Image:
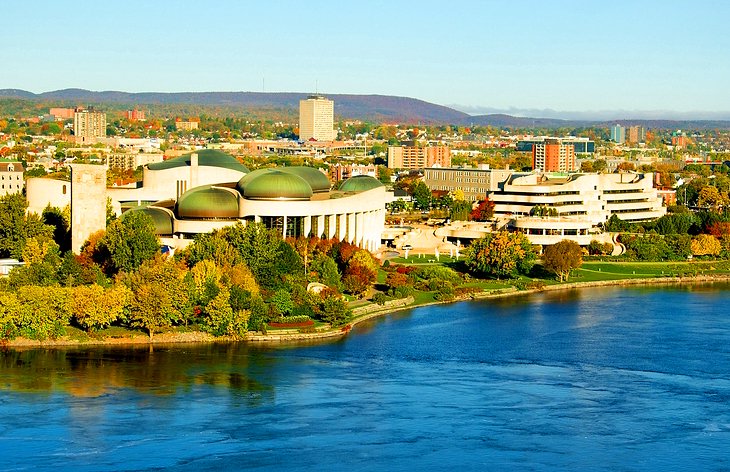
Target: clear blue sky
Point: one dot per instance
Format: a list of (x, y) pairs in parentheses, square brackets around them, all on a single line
[(565, 55)]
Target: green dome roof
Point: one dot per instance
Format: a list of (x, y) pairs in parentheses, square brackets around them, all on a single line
[(316, 179), (161, 218), (360, 183), (206, 157), (276, 185), (208, 201), (249, 178)]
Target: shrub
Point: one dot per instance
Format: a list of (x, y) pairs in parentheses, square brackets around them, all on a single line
[(380, 298)]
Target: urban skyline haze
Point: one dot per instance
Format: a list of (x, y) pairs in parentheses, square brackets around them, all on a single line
[(651, 59)]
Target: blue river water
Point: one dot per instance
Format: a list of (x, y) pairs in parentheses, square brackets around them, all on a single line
[(596, 379)]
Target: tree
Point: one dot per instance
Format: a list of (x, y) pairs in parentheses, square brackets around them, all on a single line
[(259, 248), (130, 241), (711, 197), (586, 166), (325, 271), (460, 210), (214, 247), (282, 302), (421, 195), (16, 226), (705, 245), (501, 254), (563, 257), (599, 165), (160, 298), (94, 308), (484, 210)]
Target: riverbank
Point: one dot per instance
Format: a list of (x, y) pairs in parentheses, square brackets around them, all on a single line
[(361, 314)]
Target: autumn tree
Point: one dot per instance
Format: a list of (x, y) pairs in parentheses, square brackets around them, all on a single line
[(484, 210), (501, 254), (562, 257), (705, 245), (94, 308), (711, 197), (160, 298)]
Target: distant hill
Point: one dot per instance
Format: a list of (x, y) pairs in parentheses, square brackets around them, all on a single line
[(380, 108), (374, 108)]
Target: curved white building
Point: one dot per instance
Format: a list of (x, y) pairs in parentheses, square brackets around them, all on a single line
[(593, 197)]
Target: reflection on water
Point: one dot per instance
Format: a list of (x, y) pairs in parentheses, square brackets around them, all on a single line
[(93, 372), (600, 379)]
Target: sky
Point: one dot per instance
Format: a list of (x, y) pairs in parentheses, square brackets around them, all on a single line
[(642, 58)]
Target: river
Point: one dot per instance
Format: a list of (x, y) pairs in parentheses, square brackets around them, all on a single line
[(596, 379)]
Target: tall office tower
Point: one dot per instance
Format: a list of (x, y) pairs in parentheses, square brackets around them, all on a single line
[(618, 134), (88, 125), (316, 119), (553, 156)]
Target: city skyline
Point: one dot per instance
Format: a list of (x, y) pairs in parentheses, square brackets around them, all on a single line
[(650, 59)]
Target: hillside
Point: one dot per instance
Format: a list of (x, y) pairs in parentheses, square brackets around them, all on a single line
[(373, 108), (379, 108)]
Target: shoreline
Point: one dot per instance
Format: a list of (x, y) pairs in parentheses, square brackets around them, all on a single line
[(199, 337)]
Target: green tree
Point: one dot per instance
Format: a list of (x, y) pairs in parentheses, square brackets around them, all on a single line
[(421, 195), (130, 241), (563, 257), (460, 210), (259, 248), (16, 226), (501, 254), (325, 271)]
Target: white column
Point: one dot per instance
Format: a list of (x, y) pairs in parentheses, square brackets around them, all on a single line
[(343, 227), (320, 225), (333, 226), (351, 228), (307, 226), (359, 227), (283, 229)]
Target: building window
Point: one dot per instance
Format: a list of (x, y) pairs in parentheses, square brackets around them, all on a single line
[(64, 190)]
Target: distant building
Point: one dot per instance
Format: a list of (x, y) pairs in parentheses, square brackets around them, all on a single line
[(132, 160), (679, 140), (414, 157), (89, 125), (316, 119), (618, 134), (345, 171), (11, 177), (552, 155), (186, 125), (135, 115), (580, 145), (636, 134), (62, 113), (476, 183)]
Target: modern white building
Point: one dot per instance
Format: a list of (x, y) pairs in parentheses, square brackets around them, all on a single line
[(316, 119), (208, 190), (591, 197)]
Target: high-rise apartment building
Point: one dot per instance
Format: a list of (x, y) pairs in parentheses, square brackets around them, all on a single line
[(618, 134), (414, 157), (89, 125), (316, 119), (552, 155), (636, 134), (135, 115)]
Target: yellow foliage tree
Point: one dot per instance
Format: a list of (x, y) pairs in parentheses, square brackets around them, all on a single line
[(705, 245), (94, 308)]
